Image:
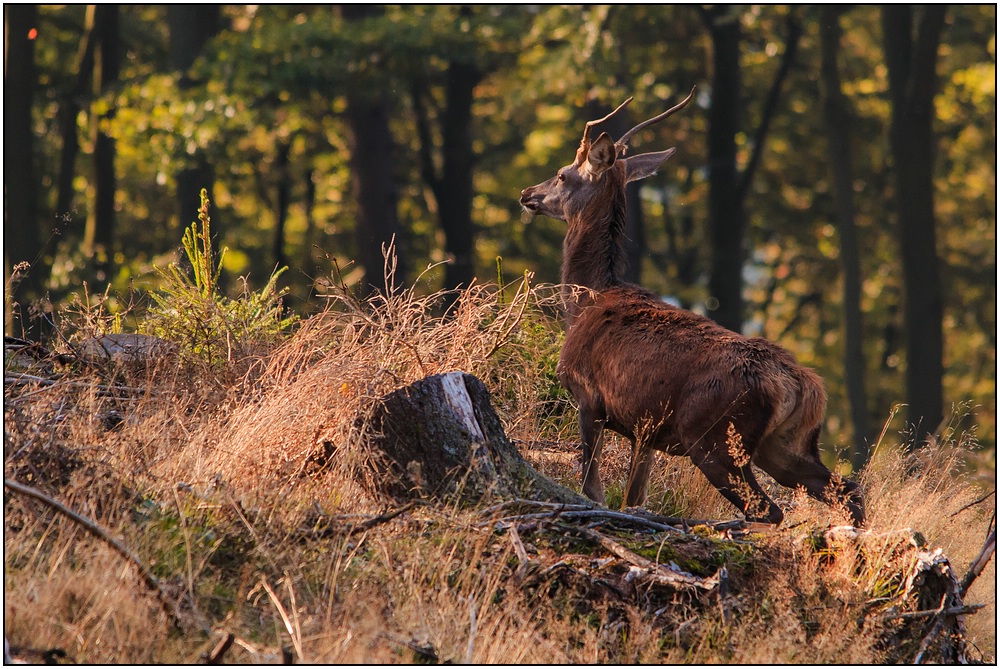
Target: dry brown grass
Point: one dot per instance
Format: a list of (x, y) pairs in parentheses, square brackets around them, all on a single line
[(214, 481)]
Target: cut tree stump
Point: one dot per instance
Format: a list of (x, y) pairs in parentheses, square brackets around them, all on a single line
[(440, 438), (134, 351)]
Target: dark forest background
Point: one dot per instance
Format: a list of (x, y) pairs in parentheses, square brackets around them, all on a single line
[(834, 188)]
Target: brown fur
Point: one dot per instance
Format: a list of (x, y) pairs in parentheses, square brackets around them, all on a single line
[(669, 379)]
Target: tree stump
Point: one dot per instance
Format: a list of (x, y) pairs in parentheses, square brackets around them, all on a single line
[(133, 351), (440, 438)]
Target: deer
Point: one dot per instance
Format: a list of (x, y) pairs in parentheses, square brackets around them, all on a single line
[(666, 378)]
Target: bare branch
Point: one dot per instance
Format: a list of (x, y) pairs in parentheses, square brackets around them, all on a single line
[(596, 513), (645, 566), (787, 59)]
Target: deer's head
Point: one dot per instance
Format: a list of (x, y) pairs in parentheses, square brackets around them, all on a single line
[(599, 169)]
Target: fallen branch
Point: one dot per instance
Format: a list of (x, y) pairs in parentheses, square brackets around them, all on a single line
[(915, 615), (380, 519), (518, 503), (522, 555), (424, 651), (643, 566), (593, 513), (939, 622), (650, 520), (169, 604)]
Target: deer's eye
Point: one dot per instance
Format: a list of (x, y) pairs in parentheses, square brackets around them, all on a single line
[(561, 177)]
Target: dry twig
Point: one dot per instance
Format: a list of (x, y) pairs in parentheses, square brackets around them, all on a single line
[(972, 504)]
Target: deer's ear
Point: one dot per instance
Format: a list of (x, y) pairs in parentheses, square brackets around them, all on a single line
[(645, 164), (602, 154)]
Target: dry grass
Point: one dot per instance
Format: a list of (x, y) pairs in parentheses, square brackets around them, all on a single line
[(215, 480)]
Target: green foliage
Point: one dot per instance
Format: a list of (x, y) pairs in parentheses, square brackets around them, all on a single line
[(209, 326)]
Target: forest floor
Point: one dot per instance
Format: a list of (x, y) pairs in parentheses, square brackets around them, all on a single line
[(228, 521)]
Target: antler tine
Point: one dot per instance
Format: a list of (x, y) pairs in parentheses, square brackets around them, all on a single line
[(622, 143), (581, 153), (591, 124)]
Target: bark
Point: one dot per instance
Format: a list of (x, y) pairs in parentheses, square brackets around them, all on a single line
[(452, 183), (683, 246), (21, 237), (309, 205), (440, 438), (454, 194), (838, 123), (911, 62)]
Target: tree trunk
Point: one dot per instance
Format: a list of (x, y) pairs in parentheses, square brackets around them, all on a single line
[(284, 200), (372, 174), (69, 112), (911, 65), (727, 186), (838, 123), (99, 235), (440, 438), (454, 194), (21, 238), (309, 205), (725, 211), (452, 183), (191, 27)]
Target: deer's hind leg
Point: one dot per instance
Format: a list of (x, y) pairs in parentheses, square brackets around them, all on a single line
[(729, 470), (794, 461)]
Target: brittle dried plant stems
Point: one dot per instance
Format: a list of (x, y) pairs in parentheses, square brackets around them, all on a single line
[(524, 292), (169, 605)]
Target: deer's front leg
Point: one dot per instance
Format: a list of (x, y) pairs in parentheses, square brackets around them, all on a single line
[(592, 433)]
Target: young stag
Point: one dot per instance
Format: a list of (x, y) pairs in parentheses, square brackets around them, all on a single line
[(666, 378)]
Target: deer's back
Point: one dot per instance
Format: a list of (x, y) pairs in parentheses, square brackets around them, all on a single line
[(632, 356)]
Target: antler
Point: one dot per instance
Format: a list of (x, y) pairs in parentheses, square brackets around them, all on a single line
[(581, 153), (622, 144)]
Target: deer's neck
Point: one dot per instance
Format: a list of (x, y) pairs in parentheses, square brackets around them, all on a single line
[(594, 249)]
